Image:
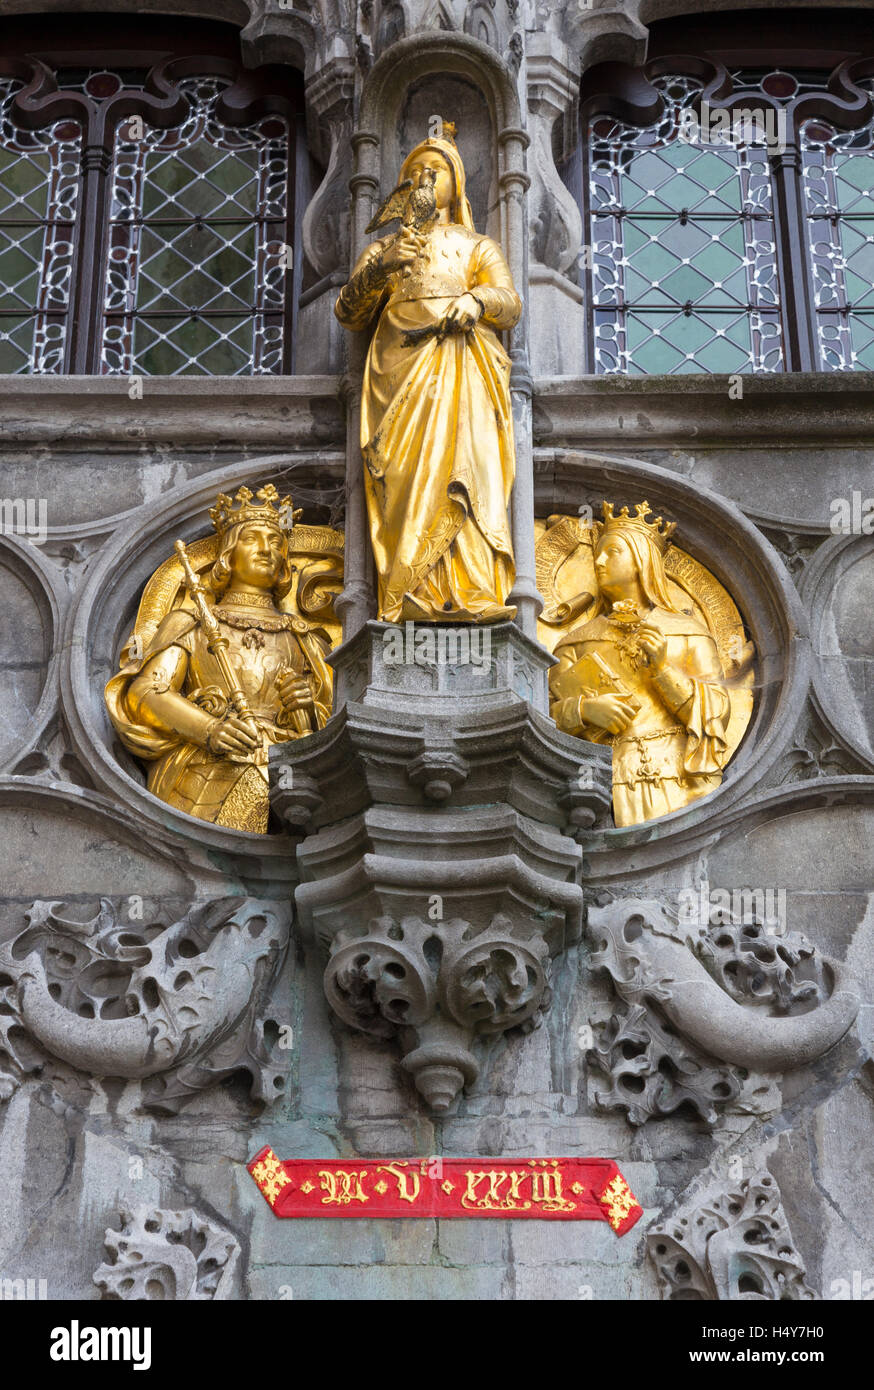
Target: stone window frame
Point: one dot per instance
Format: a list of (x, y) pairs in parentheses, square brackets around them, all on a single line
[(160, 55)]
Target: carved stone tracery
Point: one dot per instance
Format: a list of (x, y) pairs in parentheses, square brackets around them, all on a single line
[(734, 1245)]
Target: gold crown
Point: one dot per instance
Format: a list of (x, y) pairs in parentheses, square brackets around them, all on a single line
[(224, 514), (659, 531)]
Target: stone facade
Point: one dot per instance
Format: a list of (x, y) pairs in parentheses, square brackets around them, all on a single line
[(149, 1155)]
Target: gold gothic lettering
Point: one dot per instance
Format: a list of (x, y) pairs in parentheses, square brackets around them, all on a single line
[(342, 1187)]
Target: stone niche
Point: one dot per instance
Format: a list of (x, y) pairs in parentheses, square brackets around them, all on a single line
[(452, 99)]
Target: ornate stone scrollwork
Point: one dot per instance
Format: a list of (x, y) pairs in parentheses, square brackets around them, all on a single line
[(735, 1245), (176, 1256), (438, 985), (177, 1007), (700, 996)]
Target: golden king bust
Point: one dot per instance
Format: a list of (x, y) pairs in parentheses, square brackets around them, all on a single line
[(660, 669), (436, 423), (225, 672)]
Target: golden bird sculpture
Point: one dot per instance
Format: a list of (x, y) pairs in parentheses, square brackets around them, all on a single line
[(416, 207)]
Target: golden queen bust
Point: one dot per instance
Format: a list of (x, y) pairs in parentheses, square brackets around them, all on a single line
[(660, 669), (436, 423), (225, 672)]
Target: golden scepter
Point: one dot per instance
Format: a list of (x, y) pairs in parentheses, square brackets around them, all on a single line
[(216, 643)]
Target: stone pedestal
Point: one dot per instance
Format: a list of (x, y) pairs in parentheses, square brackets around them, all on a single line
[(439, 870)]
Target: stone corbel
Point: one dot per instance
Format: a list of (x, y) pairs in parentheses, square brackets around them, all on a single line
[(437, 985), (440, 872)]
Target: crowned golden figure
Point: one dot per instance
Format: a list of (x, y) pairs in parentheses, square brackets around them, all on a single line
[(225, 672), (644, 672), (436, 424)]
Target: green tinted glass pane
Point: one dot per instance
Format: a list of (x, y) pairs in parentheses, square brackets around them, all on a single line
[(221, 347), (197, 267), (21, 250), (24, 184), (862, 335), (689, 343), (16, 343), (656, 249), (854, 182), (857, 244), (201, 181)]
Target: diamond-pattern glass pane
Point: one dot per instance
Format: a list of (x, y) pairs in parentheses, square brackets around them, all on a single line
[(838, 180), (39, 191), (196, 280), (684, 271)]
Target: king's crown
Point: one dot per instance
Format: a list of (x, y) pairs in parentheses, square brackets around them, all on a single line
[(269, 510), (658, 530)]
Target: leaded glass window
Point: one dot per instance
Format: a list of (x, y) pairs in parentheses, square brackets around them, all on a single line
[(683, 247), (730, 245), (147, 213), (197, 245), (39, 186)]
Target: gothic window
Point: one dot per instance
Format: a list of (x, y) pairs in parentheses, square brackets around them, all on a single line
[(147, 209), (729, 212)]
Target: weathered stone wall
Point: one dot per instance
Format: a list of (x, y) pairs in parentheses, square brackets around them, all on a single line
[(751, 483)]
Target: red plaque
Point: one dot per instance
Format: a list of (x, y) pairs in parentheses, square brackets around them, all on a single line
[(540, 1189)]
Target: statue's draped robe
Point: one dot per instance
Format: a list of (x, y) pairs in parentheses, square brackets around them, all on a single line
[(436, 429), (214, 788), (675, 747)]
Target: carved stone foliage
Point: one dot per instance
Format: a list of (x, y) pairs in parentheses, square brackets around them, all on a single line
[(703, 1006), (735, 1245), (177, 1007), (437, 985), (175, 1256), (652, 1071)]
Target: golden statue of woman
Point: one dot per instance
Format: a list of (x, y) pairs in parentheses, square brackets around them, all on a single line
[(644, 673), (436, 424), (226, 673)]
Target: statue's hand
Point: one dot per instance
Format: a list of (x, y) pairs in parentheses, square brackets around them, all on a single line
[(462, 314), (295, 693), (400, 252), (231, 735), (653, 644), (611, 712)]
